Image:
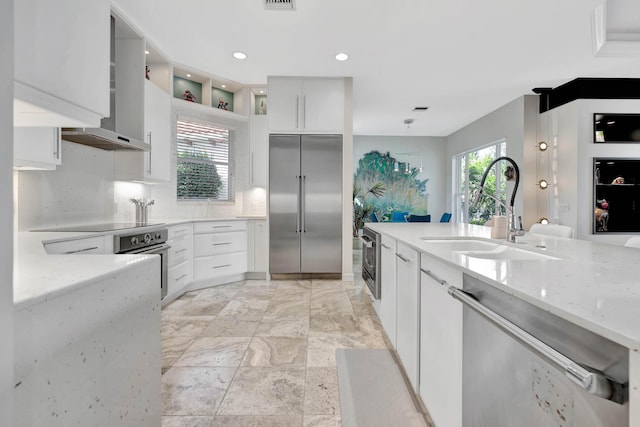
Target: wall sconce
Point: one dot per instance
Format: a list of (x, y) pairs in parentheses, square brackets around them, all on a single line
[(542, 146), (543, 184), (543, 220)]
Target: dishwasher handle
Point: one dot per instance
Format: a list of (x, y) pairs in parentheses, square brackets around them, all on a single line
[(366, 241), (592, 382)]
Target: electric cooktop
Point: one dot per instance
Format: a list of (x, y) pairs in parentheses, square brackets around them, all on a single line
[(97, 228)]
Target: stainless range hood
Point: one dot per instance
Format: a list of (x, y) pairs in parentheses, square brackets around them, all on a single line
[(104, 139), (126, 96)]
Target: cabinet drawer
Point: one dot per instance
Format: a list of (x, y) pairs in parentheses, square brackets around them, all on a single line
[(181, 250), (179, 277), (439, 271), (219, 265), (219, 226), (178, 231), (219, 243), (91, 245)]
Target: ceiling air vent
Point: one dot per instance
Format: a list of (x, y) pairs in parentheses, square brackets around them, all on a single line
[(420, 108), (279, 4)]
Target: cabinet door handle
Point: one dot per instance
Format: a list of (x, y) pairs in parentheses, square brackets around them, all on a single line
[(181, 277), (76, 251), (149, 168), (222, 226), (56, 144), (297, 112), (385, 246), (251, 170), (402, 258), (222, 266), (304, 112), (434, 277), (181, 250), (222, 244)]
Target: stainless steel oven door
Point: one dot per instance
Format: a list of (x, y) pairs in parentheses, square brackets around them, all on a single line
[(163, 251)]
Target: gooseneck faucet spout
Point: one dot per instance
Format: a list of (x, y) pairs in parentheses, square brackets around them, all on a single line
[(512, 173)]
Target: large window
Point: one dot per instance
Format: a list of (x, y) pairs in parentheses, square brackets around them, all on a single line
[(469, 168), (204, 161)]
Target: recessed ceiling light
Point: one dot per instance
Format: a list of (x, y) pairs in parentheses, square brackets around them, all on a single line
[(188, 75), (342, 56), (146, 52), (239, 55), (223, 86), (261, 91)]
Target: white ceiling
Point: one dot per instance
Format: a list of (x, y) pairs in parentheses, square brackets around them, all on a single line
[(461, 58)]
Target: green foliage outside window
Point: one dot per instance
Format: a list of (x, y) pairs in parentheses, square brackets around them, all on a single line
[(486, 206), (198, 177)]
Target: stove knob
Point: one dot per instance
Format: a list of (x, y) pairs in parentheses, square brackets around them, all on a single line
[(135, 241), (158, 236), (147, 238)]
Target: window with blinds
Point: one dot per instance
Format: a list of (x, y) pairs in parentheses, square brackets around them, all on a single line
[(204, 166)]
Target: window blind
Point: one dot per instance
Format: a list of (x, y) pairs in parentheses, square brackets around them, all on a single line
[(203, 166)]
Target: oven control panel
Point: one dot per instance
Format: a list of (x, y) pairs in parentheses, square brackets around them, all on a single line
[(130, 242)]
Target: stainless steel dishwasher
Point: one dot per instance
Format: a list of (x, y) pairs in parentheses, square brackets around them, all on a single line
[(525, 367)]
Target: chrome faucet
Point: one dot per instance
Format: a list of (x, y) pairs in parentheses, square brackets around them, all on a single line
[(511, 173)]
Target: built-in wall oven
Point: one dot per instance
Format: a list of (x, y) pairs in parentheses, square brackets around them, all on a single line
[(371, 261), (152, 242)]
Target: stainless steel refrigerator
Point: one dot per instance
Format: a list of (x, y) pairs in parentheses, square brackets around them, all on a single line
[(305, 204)]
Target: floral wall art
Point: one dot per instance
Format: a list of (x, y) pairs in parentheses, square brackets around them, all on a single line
[(396, 187)]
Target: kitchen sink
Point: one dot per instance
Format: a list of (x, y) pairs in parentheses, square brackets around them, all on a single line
[(483, 249), (461, 244), (509, 254)]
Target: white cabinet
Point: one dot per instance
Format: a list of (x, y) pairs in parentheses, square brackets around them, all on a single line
[(62, 62), (180, 258), (36, 148), (259, 137), (408, 310), (157, 130), (154, 165), (257, 240), (89, 245), (440, 343), (219, 249), (306, 105), (387, 306)]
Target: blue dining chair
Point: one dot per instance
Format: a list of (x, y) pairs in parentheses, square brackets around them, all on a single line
[(419, 218), (446, 217), (399, 216)]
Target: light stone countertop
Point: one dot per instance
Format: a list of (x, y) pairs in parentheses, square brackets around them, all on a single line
[(594, 285), (38, 276)]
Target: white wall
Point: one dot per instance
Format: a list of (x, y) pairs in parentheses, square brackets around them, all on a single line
[(572, 128), (516, 123), (6, 212), (431, 151)]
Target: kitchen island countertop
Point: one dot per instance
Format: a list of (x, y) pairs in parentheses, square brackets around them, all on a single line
[(594, 285)]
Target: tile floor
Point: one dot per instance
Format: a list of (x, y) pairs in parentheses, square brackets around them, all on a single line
[(262, 353)]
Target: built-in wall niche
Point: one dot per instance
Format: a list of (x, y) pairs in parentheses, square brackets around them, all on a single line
[(188, 86), (157, 68), (616, 128), (259, 101), (616, 195), (222, 99)]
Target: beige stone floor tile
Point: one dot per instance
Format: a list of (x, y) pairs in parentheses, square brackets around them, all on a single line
[(333, 324), (214, 351), (293, 284), (288, 307), (265, 391), (276, 351), (334, 306), (257, 421), (185, 326), (254, 294), (207, 307), (194, 391), (186, 421), (244, 308), (283, 326), (172, 349), (321, 392), (232, 326), (322, 349), (322, 421)]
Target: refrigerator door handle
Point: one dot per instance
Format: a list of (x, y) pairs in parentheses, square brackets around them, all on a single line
[(299, 179), (302, 213)]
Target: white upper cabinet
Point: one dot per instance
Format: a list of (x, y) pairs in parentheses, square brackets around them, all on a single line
[(61, 62), (306, 105), (259, 137), (157, 125), (36, 148)]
